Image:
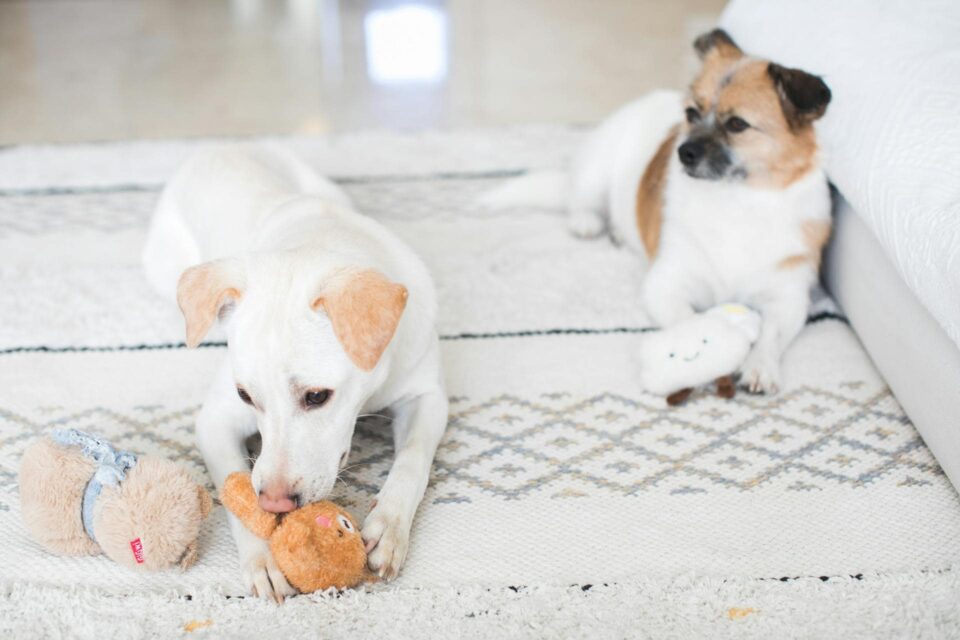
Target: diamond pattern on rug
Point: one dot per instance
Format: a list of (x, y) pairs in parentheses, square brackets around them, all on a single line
[(511, 447), (99, 212), (557, 445), (121, 209)]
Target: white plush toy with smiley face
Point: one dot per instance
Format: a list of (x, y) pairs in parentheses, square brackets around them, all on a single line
[(708, 347)]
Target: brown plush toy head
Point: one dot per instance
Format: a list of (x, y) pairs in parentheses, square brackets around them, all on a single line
[(318, 546)]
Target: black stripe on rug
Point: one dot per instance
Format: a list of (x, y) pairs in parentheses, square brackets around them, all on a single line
[(494, 174), (495, 335)]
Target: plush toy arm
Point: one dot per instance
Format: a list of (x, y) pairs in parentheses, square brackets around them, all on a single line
[(679, 397), (206, 502), (726, 387), (239, 497)]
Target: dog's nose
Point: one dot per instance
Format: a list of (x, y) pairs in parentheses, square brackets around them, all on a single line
[(277, 499), (690, 153)]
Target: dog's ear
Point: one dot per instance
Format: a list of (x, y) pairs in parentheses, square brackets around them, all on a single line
[(803, 96), (203, 290), (717, 43), (364, 308)]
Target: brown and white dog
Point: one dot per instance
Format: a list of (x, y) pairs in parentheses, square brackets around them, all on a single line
[(728, 204)]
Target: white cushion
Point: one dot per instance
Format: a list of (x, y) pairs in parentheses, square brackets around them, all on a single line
[(891, 135)]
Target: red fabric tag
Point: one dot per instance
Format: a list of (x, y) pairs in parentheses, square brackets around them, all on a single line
[(137, 548)]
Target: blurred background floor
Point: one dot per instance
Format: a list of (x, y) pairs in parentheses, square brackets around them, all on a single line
[(81, 70)]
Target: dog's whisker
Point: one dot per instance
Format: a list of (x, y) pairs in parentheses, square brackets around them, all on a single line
[(375, 415), (348, 467)]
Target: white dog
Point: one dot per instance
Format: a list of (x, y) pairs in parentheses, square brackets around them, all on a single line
[(730, 205), (327, 315)]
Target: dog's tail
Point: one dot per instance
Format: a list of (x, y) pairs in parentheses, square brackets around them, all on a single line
[(534, 190)]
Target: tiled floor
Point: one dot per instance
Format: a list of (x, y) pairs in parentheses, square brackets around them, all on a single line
[(76, 70)]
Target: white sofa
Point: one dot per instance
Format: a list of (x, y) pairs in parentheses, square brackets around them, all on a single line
[(891, 143)]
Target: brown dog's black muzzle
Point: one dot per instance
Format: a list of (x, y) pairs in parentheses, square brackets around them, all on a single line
[(704, 157)]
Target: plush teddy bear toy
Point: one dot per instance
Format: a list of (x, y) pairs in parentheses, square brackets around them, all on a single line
[(317, 546), (80, 496), (707, 347)]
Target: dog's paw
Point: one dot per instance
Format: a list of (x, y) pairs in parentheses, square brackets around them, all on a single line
[(585, 224), (387, 537), (761, 374), (261, 575)]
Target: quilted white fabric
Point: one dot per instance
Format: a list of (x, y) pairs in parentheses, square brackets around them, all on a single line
[(891, 138)]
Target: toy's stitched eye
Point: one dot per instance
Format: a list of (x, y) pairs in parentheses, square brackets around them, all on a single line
[(316, 398), (345, 523)]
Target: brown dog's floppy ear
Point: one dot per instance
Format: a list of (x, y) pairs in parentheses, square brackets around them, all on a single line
[(803, 96), (364, 308), (717, 42), (203, 289)]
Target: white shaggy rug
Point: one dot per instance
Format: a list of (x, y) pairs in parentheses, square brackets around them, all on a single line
[(564, 502)]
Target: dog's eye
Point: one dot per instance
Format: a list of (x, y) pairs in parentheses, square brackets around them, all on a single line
[(316, 398), (692, 115), (244, 395), (345, 523), (736, 125)]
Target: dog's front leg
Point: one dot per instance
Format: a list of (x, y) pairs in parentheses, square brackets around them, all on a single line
[(418, 426), (664, 294), (784, 315), (223, 426)]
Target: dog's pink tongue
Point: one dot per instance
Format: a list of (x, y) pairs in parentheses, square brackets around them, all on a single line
[(276, 505)]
